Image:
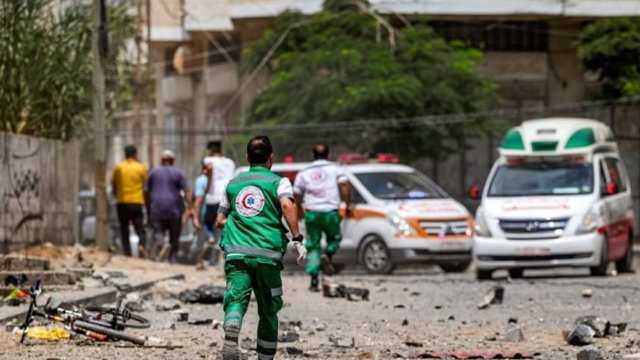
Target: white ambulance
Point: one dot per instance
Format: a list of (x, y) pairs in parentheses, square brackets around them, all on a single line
[(399, 216), (558, 196)]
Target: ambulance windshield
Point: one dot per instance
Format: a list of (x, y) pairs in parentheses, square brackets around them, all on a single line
[(539, 179), (400, 185)]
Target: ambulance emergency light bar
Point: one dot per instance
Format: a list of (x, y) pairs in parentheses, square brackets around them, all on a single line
[(355, 158), (556, 139)]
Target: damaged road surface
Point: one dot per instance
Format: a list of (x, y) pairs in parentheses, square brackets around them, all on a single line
[(414, 314)]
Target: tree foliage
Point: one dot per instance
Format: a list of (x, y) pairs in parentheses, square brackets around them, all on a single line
[(46, 65), (611, 48), (348, 63)]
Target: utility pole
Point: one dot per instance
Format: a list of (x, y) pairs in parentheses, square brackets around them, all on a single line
[(99, 49)]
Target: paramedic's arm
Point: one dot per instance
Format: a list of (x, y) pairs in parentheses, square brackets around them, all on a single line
[(288, 206), (298, 192), (345, 193), (223, 210)]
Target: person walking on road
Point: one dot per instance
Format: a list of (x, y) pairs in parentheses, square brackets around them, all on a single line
[(207, 233), (319, 187), (127, 182), (165, 189), (222, 171), (254, 241)]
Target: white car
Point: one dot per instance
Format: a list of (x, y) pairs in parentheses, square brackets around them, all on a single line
[(558, 196), (399, 216)]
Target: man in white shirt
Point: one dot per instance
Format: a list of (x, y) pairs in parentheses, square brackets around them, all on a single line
[(223, 170), (319, 188)]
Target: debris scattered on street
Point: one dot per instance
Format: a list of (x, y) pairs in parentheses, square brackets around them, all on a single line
[(48, 333), (289, 336), (405, 322), (412, 343), (180, 315), (513, 334), (477, 355), (332, 290), (292, 350), (581, 335), (342, 343), (587, 293), (204, 294), (590, 353), (200, 320), (493, 297), (168, 305)]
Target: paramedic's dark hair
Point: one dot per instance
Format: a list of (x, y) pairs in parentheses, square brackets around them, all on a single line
[(259, 149), (130, 151), (215, 146), (320, 151)]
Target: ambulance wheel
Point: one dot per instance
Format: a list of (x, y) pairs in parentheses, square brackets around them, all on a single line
[(455, 267), (484, 274), (516, 273), (625, 265), (601, 269), (375, 255)]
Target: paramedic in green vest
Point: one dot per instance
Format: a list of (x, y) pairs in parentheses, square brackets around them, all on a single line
[(318, 188), (254, 241)]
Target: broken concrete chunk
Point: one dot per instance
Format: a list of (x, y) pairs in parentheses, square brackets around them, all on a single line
[(598, 324), (590, 353), (513, 334), (289, 336), (405, 322), (200, 320), (587, 293), (168, 305), (180, 315), (581, 335), (616, 329), (292, 350), (493, 297), (342, 343), (204, 294)]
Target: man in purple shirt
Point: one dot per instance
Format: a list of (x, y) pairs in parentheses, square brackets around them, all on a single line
[(165, 191)]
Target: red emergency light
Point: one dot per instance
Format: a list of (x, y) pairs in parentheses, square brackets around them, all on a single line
[(352, 158), (388, 158)]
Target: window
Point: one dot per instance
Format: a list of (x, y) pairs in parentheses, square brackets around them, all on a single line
[(356, 197), (400, 185), (615, 174), (539, 179), (497, 36)]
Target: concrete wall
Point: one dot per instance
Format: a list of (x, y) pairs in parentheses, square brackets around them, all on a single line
[(38, 191)]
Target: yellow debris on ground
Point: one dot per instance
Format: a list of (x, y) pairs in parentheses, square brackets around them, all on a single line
[(47, 333)]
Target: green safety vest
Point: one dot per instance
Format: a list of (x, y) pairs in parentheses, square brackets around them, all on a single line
[(254, 226)]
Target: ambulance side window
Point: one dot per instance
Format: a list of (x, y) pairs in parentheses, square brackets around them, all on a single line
[(604, 179), (356, 197), (615, 174)]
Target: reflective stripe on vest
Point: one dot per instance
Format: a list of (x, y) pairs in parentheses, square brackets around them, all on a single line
[(247, 250)]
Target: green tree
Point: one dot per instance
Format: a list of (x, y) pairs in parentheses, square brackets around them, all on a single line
[(610, 48), (347, 63), (46, 66)]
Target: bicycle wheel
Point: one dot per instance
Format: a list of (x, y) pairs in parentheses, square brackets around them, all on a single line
[(103, 316), (114, 334)]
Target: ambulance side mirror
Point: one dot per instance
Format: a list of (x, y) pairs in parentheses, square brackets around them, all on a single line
[(612, 188), (474, 192)]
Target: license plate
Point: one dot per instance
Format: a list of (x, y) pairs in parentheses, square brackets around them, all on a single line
[(534, 251), (452, 245)]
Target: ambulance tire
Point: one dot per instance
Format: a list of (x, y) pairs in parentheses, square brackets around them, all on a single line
[(625, 265), (455, 267), (601, 269), (375, 256), (516, 273), (484, 274)]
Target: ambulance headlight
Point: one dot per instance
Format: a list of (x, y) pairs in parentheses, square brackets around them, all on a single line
[(481, 227), (590, 222), (402, 226)]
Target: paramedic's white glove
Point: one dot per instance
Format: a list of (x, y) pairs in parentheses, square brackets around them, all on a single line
[(297, 244)]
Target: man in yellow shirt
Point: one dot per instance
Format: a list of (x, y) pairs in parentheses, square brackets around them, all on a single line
[(128, 181)]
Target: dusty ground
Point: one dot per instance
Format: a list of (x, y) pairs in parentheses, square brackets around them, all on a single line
[(440, 311)]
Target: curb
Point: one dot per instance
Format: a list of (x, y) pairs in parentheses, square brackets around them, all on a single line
[(81, 297)]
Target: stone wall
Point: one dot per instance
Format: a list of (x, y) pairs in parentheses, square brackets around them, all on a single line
[(38, 191)]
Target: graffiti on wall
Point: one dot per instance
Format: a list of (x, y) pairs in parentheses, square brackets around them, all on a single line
[(20, 190)]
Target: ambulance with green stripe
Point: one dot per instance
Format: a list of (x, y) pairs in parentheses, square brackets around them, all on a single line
[(558, 196)]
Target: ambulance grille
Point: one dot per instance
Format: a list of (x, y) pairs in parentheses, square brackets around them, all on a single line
[(533, 229), (444, 227)]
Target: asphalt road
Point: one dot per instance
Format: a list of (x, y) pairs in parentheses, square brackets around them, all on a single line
[(409, 313)]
